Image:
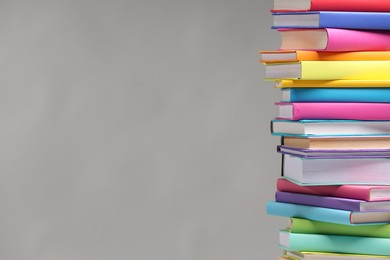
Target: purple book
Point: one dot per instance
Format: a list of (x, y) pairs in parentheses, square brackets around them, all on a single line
[(332, 202), (339, 153)]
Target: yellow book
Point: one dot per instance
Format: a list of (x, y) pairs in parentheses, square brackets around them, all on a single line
[(289, 83), (291, 255), (303, 55), (329, 70)]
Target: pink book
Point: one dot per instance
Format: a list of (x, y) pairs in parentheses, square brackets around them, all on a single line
[(360, 192), (332, 39), (333, 111), (347, 39)]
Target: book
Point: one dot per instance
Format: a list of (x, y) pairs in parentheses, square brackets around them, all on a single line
[(331, 202), (331, 171), (332, 19), (376, 95), (307, 226), (267, 56), (359, 192), (334, 143), (336, 153), (332, 5), (329, 70), (340, 83), (329, 128), (334, 39), (333, 110), (334, 243), (337, 216), (295, 255)]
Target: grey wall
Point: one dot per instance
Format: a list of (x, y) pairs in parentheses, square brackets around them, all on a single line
[(136, 130)]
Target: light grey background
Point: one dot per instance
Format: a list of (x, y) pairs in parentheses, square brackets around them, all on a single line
[(136, 130)]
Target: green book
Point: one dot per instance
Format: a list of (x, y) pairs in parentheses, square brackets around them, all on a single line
[(301, 225), (334, 243)]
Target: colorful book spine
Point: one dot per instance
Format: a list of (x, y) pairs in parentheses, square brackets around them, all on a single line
[(329, 19), (331, 202), (304, 55), (307, 226), (340, 83), (333, 111), (333, 243), (333, 5), (338, 39), (337, 216), (336, 95), (359, 192)]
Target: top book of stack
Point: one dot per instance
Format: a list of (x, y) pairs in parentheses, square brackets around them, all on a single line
[(332, 5)]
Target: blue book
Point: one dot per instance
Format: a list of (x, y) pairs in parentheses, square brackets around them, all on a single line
[(370, 95), (334, 243), (327, 19), (337, 216)]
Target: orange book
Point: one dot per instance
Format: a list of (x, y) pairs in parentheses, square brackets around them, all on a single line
[(341, 83), (278, 56)]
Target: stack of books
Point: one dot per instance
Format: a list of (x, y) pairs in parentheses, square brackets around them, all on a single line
[(333, 72)]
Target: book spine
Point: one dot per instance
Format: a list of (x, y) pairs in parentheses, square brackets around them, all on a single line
[(299, 225), (318, 201), (356, 40), (355, 20), (350, 5), (285, 83), (334, 243), (309, 212), (375, 95), (343, 111), (345, 191), (347, 70)]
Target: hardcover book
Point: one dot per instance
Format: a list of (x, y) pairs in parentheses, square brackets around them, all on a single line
[(336, 153), (333, 243), (332, 5), (331, 171), (359, 192), (336, 143), (331, 202), (295, 255), (328, 19), (307, 226), (337, 216), (330, 128), (333, 110), (332, 39), (329, 70), (339, 83), (336, 95), (302, 55)]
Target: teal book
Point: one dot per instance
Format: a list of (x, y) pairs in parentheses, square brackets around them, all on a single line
[(336, 216), (334, 243), (359, 95)]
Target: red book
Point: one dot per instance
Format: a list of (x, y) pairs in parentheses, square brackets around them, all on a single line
[(333, 111), (332, 5), (360, 192)]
